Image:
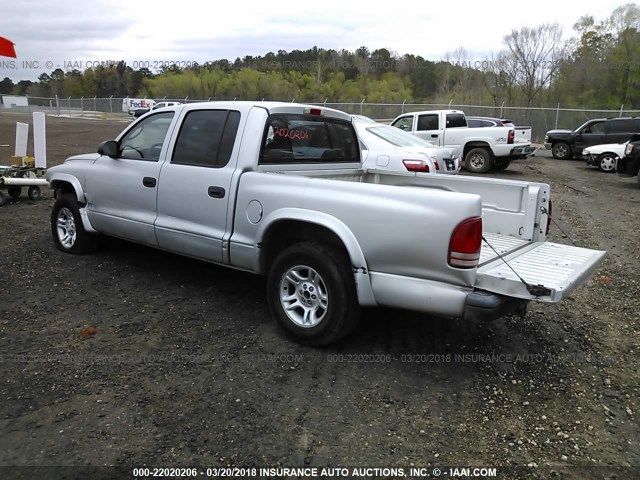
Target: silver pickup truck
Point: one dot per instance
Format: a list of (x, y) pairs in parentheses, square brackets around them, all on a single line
[(277, 189)]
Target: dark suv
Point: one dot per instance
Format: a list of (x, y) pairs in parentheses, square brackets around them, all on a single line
[(567, 144)]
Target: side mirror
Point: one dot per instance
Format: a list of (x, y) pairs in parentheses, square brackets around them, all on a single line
[(108, 148)]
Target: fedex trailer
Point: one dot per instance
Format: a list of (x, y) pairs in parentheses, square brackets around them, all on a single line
[(130, 105)]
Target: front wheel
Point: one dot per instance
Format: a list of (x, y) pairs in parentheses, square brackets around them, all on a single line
[(478, 160), (607, 163), (561, 151), (67, 230), (312, 294)]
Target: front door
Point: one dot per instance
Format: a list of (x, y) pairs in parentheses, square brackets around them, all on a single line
[(193, 192), (592, 134), (121, 192)]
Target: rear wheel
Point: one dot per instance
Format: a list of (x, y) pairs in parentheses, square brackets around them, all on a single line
[(34, 192), (478, 160), (3, 199), (312, 294), (67, 230), (607, 162), (561, 150)]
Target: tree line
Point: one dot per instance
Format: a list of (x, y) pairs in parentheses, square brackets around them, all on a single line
[(599, 67)]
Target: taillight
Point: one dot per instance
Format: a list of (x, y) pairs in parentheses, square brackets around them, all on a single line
[(465, 243), (435, 164), (416, 165), (549, 217), (511, 137)]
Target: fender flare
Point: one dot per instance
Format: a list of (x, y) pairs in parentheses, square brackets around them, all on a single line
[(70, 179), (346, 236)]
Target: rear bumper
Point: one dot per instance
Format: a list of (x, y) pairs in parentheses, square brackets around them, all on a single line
[(482, 306), (441, 299), (523, 151)]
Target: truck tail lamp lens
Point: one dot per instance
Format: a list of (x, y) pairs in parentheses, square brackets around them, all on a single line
[(512, 136), (313, 111), (464, 247), (416, 166)]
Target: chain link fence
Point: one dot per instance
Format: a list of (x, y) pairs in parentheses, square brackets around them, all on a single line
[(540, 119)]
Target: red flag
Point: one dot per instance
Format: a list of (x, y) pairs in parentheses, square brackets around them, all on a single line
[(6, 48)]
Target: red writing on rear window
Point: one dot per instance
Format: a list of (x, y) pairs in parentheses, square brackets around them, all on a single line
[(297, 134)]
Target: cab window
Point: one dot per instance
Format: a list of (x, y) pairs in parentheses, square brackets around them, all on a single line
[(428, 122), (206, 138), (145, 140), (404, 123), (456, 120), (595, 127)]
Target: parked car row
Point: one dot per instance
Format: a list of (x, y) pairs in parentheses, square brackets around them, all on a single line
[(606, 143)]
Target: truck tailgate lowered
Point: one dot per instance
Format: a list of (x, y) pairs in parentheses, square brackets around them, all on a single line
[(556, 267)]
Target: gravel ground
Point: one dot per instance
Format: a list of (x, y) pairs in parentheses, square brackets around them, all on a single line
[(134, 357)]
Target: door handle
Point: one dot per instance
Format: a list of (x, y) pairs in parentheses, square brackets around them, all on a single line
[(149, 182), (434, 135), (216, 192)]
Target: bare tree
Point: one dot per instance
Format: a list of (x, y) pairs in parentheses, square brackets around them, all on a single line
[(536, 54), (498, 77)]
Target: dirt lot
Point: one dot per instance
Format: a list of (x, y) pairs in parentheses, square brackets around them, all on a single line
[(185, 368)]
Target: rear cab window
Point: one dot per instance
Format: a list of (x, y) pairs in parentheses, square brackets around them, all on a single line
[(299, 139)]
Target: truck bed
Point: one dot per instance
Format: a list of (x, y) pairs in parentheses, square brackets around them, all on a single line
[(514, 224)]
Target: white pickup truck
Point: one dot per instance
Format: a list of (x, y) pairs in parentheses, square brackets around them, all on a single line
[(482, 149), (278, 189)]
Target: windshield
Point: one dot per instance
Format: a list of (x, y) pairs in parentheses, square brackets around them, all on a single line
[(397, 137)]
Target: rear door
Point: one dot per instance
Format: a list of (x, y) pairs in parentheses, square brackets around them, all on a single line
[(554, 269), (193, 191), (428, 127)]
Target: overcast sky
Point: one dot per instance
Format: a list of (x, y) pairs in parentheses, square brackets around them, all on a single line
[(80, 31)]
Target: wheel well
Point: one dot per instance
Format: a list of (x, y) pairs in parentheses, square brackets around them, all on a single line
[(288, 232), (63, 187), (471, 145), (608, 153)]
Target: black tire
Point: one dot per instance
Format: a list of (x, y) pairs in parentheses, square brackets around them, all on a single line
[(478, 160), (67, 230), (502, 165), (34, 192), (3, 199), (607, 162), (14, 192), (561, 151), (340, 312)]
